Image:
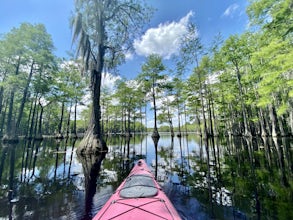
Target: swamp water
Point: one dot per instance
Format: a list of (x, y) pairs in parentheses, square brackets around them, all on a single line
[(231, 178)]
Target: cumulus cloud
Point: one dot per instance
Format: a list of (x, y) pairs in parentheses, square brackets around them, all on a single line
[(230, 11), (129, 56), (108, 83), (109, 80), (163, 40)]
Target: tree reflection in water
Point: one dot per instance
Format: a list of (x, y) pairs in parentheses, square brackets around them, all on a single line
[(229, 178), (91, 165)]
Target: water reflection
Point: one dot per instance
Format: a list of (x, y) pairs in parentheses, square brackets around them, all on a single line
[(156, 141), (231, 178), (91, 168)]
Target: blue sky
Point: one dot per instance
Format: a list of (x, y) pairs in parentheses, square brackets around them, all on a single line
[(211, 17), (167, 25)]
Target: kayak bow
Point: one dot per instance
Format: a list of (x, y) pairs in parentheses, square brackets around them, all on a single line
[(138, 197)]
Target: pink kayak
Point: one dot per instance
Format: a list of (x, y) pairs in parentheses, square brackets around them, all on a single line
[(138, 197)]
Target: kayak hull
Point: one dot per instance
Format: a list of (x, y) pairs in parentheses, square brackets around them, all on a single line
[(138, 197)]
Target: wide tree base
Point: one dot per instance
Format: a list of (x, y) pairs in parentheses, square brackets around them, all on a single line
[(91, 145), (155, 134)]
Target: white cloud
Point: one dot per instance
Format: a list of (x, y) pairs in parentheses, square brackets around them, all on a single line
[(129, 56), (109, 80), (230, 11), (163, 40)]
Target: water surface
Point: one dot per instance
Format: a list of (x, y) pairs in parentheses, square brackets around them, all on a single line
[(231, 178)]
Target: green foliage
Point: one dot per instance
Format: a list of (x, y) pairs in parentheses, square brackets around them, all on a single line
[(244, 76), (152, 80), (274, 71), (106, 29), (273, 16)]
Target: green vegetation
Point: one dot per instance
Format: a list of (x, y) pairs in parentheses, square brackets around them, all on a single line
[(242, 85)]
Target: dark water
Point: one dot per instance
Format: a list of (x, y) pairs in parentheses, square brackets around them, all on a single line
[(220, 179)]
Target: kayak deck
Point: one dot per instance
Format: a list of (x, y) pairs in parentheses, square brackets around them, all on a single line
[(138, 197)]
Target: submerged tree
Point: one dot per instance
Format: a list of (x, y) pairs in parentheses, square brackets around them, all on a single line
[(104, 31)]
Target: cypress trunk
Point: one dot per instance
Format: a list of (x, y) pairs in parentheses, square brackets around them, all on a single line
[(68, 122), (274, 122), (39, 135), (262, 124), (30, 133), (244, 115), (60, 135), (92, 143), (24, 97), (1, 98), (202, 106), (155, 132), (179, 121), (10, 127), (74, 123), (10, 135), (170, 123), (3, 117)]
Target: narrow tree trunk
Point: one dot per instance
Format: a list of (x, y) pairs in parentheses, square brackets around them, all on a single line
[(3, 117), (36, 124), (29, 119), (155, 132), (216, 129), (146, 120), (210, 119), (266, 115), (1, 98), (128, 124), (68, 122), (39, 135), (291, 121), (274, 121), (290, 116), (262, 124), (122, 121), (10, 127), (60, 135), (10, 135), (281, 126), (198, 123), (185, 119), (74, 123), (201, 99), (179, 121), (30, 134), (231, 120), (24, 97), (202, 106), (170, 123), (246, 126), (141, 128)]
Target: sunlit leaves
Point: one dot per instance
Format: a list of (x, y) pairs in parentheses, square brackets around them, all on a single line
[(274, 62), (275, 17)]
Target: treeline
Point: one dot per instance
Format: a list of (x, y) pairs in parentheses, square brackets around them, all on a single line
[(240, 86), (245, 85), (39, 93)]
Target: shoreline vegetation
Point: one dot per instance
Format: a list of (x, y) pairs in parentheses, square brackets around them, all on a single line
[(240, 86)]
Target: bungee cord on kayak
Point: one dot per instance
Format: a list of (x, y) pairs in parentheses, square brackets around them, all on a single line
[(138, 197)]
